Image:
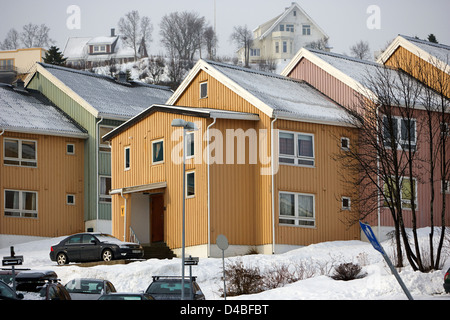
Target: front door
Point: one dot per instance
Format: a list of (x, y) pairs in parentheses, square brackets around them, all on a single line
[(157, 217)]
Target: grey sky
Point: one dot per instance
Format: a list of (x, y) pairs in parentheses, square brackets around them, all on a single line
[(345, 21)]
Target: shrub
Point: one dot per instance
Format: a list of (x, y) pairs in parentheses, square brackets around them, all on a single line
[(348, 271)]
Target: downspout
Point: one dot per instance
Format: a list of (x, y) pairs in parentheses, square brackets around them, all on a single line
[(273, 186), (209, 190), (124, 216), (97, 145)]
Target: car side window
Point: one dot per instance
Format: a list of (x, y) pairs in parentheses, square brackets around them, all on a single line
[(88, 238), (74, 240)]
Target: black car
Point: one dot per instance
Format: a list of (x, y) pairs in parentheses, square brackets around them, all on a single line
[(7, 293), (447, 281), (33, 280), (126, 296), (83, 247), (169, 288), (54, 290), (89, 289)]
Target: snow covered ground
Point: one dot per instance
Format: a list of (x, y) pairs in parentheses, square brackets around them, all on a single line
[(379, 284)]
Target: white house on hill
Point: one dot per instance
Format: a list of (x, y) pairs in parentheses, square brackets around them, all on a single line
[(280, 38)]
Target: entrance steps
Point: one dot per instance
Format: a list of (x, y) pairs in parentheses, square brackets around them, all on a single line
[(157, 250)]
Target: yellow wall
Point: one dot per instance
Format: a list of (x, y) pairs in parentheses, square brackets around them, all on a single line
[(24, 59), (56, 175)]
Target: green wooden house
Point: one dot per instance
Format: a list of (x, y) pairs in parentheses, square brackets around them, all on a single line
[(99, 104)]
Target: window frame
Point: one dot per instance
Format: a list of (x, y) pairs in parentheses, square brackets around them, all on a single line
[(343, 147), (72, 145), (406, 203), (73, 203), (189, 196), (104, 197), (127, 163), (23, 213), (154, 142), (20, 160), (348, 206), (296, 217), (306, 29), (402, 144), (201, 86), (296, 157), (192, 140)]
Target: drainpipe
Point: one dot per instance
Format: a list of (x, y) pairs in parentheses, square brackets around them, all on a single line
[(209, 196), (124, 217), (97, 145), (3, 131), (273, 186)]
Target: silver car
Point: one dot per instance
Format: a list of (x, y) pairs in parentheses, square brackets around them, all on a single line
[(89, 289)]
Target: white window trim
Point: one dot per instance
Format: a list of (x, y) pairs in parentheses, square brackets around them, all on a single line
[(67, 199), (21, 211), (125, 158), (205, 83), (186, 191), (105, 195), (153, 143), (445, 190), (100, 142), (186, 146), (296, 157), (349, 207), (348, 143), (406, 201), (19, 151), (67, 149), (296, 217), (401, 144)]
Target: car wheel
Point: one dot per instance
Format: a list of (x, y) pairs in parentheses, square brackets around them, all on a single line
[(107, 255), (61, 259)]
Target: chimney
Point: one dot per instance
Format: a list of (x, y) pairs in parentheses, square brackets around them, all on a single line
[(113, 32)]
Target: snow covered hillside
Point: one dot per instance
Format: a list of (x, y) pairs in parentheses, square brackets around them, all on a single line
[(379, 284)]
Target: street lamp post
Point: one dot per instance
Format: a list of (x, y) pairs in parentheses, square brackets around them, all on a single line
[(187, 126)]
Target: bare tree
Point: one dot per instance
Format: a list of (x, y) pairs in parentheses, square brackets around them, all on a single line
[(242, 36), (181, 34), (12, 40), (34, 36), (321, 44), (136, 30), (210, 41), (361, 50), (156, 68)]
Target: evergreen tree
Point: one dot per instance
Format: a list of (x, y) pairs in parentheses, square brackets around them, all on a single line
[(432, 38), (54, 56)]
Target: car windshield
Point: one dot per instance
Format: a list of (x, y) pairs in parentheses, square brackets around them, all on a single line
[(107, 238), (5, 291), (85, 286), (169, 287)]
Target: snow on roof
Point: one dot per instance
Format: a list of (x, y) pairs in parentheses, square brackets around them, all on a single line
[(30, 113), (110, 98), (437, 50), (286, 96), (102, 40), (76, 48)]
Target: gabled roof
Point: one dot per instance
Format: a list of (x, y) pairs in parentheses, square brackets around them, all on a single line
[(103, 96), (274, 95), (280, 18), (187, 111), (30, 112), (355, 73), (425, 50)]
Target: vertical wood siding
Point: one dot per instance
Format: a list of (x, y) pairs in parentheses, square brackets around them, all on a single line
[(57, 174)]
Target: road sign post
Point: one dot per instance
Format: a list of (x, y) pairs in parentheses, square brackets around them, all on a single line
[(377, 246), (190, 261), (12, 261)]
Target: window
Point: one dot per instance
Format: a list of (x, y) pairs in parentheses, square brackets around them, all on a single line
[(281, 27), (105, 188), (20, 152), (203, 90), (406, 192), (296, 209), (255, 52), (157, 151), (306, 30), (290, 28), (346, 202), (284, 46), (445, 188), (190, 145), (402, 130), (296, 148), (70, 199), (99, 49), (7, 65), (345, 143), (70, 148), (127, 158), (21, 204), (277, 47), (190, 184)]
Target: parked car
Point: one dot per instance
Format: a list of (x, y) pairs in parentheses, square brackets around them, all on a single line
[(94, 247), (6, 275), (89, 289), (126, 296), (54, 290), (169, 288), (7, 293), (32, 280), (447, 281)]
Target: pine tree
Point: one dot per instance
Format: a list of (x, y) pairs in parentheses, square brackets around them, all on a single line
[(54, 56), (432, 38)]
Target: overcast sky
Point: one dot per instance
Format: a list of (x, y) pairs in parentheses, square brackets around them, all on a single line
[(345, 21)]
